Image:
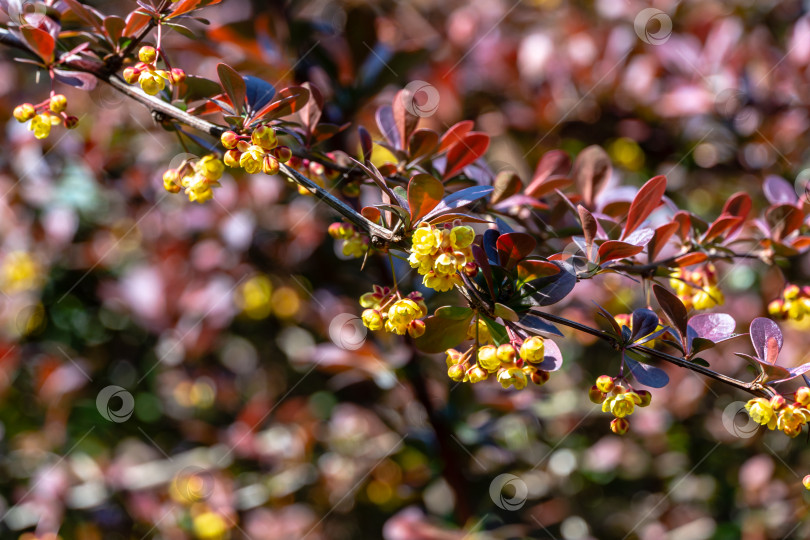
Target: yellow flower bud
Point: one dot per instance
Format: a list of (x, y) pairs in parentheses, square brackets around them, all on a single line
[(605, 383), (147, 54), (533, 349), (803, 396), (596, 395), (24, 112), (461, 237), (477, 374), (456, 372), (620, 426), (507, 353), (416, 329), (488, 358), (512, 377), (645, 396), (58, 103), (760, 410), (372, 319)]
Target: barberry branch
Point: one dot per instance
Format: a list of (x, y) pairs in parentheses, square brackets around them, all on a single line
[(163, 111)]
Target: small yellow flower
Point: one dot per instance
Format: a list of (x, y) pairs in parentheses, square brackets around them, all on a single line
[(24, 112), (210, 167), (41, 125), (533, 349), (251, 159), (760, 411), (461, 237), (512, 377), (401, 314), (264, 136), (422, 263), (147, 54), (58, 103), (621, 405), (151, 81), (445, 264), (372, 319), (426, 240), (441, 283), (477, 374), (488, 358), (605, 383)]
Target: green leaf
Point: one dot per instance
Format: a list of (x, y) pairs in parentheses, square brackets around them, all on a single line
[(453, 312), (505, 313), (497, 331)]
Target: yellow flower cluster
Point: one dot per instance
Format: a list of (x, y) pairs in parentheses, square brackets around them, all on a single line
[(386, 309), (697, 289), (794, 304), (151, 79), (354, 244), (439, 254), (777, 413), (47, 114), (196, 178), (258, 152), (511, 365), (617, 400)]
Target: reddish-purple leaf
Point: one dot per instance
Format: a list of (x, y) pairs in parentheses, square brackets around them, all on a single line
[(640, 237), (458, 199), (690, 258), (311, 112), (720, 226), (424, 142), (589, 228), (766, 338), (388, 126), (424, 193), (646, 200), (534, 268), (783, 220), (660, 238), (592, 169), (290, 100), (404, 119), (234, 86), (713, 326), (446, 218), (366, 144), (738, 205), (513, 247), (371, 213), (455, 134), (40, 41), (553, 163), (506, 184), (77, 79), (534, 324), (646, 374), (644, 323), (114, 27), (471, 147), (779, 191), (483, 263), (673, 308), (554, 183), (135, 22), (684, 221), (611, 250)]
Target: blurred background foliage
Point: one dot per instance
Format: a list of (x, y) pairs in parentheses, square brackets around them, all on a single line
[(250, 420)]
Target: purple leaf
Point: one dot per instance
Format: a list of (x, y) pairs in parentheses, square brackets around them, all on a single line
[(459, 199), (646, 374), (762, 330), (548, 290), (82, 81), (778, 190), (644, 323), (640, 237), (713, 326), (490, 244), (674, 310), (553, 359), (388, 126), (532, 323)]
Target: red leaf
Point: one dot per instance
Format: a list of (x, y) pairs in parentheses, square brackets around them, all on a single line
[(512, 247), (423, 142), (471, 147), (533, 269), (136, 21), (311, 112), (553, 163), (506, 184), (684, 221), (424, 193), (660, 239), (589, 227), (233, 84), (690, 258), (371, 213), (40, 41), (455, 134), (405, 120), (290, 100), (646, 200), (783, 220), (720, 226), (611, 250), (592, 169)]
